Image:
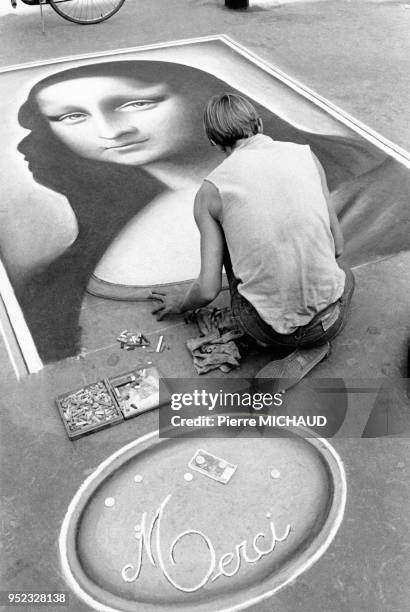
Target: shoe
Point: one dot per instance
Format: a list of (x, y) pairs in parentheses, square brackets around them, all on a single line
[(289, 371)]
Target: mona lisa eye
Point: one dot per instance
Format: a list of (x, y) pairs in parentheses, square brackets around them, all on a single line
[(70, 118), (137, 104)]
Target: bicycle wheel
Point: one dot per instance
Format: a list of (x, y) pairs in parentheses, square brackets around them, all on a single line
[(86, 12)]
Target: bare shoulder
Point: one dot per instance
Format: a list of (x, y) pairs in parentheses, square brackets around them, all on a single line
[(208, 191), (208, 199)]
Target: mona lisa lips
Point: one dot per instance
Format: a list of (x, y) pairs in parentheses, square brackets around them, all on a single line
[(127, 145)]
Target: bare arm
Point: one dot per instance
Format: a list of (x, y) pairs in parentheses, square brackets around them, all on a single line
[(334, 221), (209, 282)]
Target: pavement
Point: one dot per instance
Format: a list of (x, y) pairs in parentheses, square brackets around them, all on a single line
[(356, 54)]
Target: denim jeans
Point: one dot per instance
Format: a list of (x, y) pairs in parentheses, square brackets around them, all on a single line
[(321, 329)]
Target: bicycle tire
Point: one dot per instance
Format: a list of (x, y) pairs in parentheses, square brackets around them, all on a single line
[(86, 12)]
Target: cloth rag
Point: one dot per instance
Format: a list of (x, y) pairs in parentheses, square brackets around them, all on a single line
[(216, 347)]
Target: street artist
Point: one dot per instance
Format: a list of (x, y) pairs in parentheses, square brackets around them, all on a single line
[(265, 215)]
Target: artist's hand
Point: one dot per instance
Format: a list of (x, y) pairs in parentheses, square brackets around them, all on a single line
[(167, 304)]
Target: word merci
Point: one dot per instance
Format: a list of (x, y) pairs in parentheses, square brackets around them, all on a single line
[(227, 565), (223, 399)]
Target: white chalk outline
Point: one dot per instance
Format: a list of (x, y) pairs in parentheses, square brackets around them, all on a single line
[(19, 341), (316, 555)]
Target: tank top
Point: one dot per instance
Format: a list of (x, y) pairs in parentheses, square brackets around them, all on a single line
[(277, 230)]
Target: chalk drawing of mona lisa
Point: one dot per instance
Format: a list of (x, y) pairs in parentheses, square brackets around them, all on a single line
[(123, 141)]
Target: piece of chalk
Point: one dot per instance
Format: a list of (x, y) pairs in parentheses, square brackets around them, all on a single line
[(188, 477), (159, 345), (199, 459), (109, 502), (275, 474), (137, 478)]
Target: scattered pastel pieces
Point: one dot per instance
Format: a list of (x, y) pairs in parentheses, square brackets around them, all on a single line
[(188, 477), (275, 474), (138, 478), (130, 340), (109, 502)]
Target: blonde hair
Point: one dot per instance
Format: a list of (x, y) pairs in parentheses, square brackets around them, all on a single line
[(229, 117)]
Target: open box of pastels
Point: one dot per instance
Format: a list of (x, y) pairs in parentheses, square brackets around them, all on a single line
[(109, 401)]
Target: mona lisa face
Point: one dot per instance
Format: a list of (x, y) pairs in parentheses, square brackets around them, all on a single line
[(121, 120)]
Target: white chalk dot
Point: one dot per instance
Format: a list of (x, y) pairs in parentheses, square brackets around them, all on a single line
[(268, 515), (138, 478), (109, 502), (188, 477), (199, 459), (275, 474)]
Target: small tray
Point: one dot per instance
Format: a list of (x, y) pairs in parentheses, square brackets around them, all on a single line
[(136, 391), (88, 409), (109, 401)]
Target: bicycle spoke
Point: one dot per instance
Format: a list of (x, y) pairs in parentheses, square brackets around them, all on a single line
[(86, 11)]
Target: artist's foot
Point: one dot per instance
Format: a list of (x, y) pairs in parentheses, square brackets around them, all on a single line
[(289, 371)]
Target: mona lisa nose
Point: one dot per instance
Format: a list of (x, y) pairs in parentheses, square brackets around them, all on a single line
[(110, 128)]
